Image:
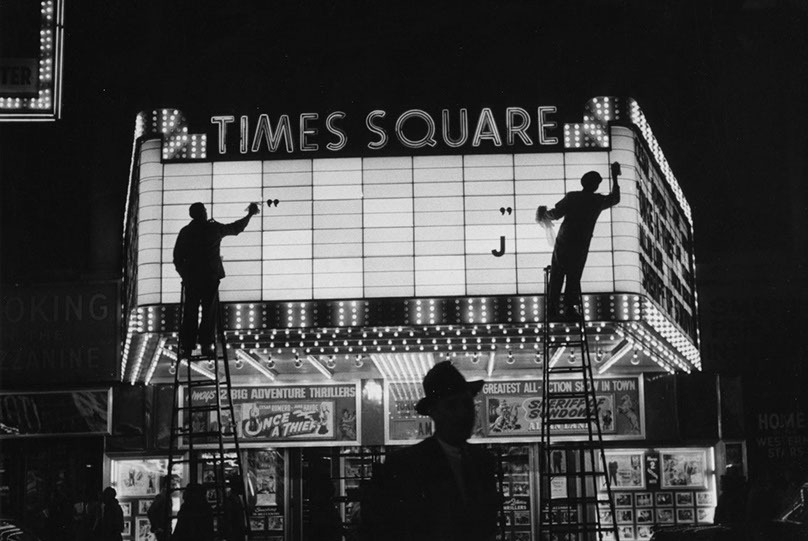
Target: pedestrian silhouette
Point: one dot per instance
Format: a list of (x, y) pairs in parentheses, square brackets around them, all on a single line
[(731, 505), (580, 211), (110, 525), (198, 261), (234, 521), (442, 488), (159, 511), (195, 519)]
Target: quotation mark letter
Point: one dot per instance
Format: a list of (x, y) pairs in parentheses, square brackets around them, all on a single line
[(503, 209), (271, 202)]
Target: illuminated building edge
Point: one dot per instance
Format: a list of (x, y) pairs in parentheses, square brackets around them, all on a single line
[(444, 326), (47, 104), (654, 329)]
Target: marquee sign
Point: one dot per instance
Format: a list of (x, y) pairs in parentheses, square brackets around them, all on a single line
[(31, 35), (382, 132)]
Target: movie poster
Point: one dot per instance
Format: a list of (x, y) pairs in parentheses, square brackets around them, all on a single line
[(273, 414), (512, 409), (265, 480), (625, 470), (684, 469), (138, 477)]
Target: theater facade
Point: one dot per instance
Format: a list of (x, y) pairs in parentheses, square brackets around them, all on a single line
[(390, 240)]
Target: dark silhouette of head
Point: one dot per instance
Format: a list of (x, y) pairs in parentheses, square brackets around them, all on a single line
[(198, 212), (449, 401), (234, 484), (590, 181), (108, 495)]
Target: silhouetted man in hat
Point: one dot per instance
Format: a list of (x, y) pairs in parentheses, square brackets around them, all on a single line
[(199, 262), (441, 489), (580, 211)]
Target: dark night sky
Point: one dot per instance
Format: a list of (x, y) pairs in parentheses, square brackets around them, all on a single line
[(723, 84)]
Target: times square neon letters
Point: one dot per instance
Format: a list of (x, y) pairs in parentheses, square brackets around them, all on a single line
[(450, 130)]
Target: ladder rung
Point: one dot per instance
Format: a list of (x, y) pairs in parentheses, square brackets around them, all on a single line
[(199, 383), (571, 420), (191, 434), (567, 502), (566, 369), (594, 444), (212, 407), (583, 527), (578, 474), (569, 394), (201, 459)]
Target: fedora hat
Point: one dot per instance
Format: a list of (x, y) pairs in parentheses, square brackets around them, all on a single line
[(444, 380)]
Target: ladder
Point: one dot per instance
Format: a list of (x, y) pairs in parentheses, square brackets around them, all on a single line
[(200, 429), (575, 492)]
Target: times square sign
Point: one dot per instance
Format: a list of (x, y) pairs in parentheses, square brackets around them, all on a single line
[(244, 136)]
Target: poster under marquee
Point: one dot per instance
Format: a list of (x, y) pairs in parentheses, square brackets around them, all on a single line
[(320, 414), (509, 410)]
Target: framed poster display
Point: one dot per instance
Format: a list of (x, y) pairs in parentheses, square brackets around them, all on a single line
[(645, 516), (143, 506), (626, 532), (685, 516), (126, 507), (127, 528), (643, 499), (644, 532), (625, 470), (664, 516), (622, 499), (705, 514), (704, 499), (684, 499), (625, 516), (684, 468), (139, 477), (664, 499), (143, 530)]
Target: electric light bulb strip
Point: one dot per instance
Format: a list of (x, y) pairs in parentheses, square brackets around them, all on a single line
[(158, 351), (619, 354), (247, 358), (319, 366), (199, 370)]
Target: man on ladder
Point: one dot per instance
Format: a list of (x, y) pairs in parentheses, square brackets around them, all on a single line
[(580, 211), (199, 263)]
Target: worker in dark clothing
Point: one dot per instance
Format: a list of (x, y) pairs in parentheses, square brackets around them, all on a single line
[(580, 211), (199, 264)]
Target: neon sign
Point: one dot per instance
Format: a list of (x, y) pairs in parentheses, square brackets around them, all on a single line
[(31, 35), (411, 129)]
